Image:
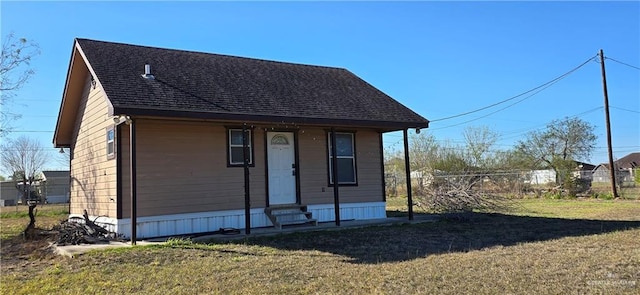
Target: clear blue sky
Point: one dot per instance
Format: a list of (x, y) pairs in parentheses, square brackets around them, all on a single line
[(437, 58)]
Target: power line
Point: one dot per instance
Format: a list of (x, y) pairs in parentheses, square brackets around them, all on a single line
[(623, 63), (617, 108), (28, 131), (499, 110), (542, 126), (543, 86), (38, 116)]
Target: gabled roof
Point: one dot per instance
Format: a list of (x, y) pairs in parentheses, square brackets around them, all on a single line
[(631, 160), (55, 174), (211, 86)]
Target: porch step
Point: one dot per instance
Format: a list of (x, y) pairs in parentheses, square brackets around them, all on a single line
[(294, 214)]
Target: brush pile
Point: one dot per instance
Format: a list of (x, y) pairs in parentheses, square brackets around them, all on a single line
[(82, 231)]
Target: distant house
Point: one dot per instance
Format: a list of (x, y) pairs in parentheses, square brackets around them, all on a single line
[(584, 171), (203, 141), (12, 193), (541, 177), (581, 171), (625, 169), (54, 186), (9, 195)]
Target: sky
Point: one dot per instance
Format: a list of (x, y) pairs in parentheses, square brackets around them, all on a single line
[(440, 59)]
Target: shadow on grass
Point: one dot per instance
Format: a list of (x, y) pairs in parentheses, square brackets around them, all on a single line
[(410, 241)]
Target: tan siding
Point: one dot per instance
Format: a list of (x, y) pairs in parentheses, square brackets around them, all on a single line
[(314, 168), (93, 176), (182, 167)]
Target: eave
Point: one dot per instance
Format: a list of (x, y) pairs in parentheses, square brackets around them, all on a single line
[(385, 126), (79, 68)]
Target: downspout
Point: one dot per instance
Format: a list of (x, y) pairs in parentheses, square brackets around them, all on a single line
[(334, 172), (247, 194), (70, 178), (408, 171), (119, 167)]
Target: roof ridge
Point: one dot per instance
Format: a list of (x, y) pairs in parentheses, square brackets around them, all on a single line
[(216, 54)]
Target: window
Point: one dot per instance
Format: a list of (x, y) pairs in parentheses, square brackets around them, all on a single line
[(111, 143), (345, 148), (235, 152)]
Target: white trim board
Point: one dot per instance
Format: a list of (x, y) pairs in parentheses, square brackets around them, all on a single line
[(202, 222)]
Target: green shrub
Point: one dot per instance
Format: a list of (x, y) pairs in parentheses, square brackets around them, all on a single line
[(552, 195), (603, 196)]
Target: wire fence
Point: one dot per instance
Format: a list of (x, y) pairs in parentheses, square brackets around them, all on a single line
[(515, 183)]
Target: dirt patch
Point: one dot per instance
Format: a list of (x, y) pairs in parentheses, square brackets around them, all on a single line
[(18, 254)]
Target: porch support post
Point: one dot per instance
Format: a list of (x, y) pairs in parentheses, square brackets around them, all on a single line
[(334, 174), (247, 196), (408, 171), (132, 177)]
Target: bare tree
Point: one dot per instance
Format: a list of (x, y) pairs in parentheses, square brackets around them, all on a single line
[(15, 71), (24, 157)]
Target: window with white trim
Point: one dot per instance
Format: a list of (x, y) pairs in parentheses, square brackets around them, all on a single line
[(345, 150), (235, 152), (111, 143)]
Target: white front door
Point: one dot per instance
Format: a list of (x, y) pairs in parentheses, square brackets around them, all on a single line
[(281, 161)]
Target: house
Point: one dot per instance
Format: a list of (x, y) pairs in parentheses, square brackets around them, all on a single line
[(9, 194), (584, 171), (538, 177), (51, 187), (548, 176), (167, 142), (13, 193), (54, 186), (626, 168)]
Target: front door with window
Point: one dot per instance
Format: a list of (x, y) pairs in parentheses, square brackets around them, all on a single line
[(282, 169)]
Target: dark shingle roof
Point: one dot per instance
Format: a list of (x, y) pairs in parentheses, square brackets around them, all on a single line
[(204, 85), (631, 160)]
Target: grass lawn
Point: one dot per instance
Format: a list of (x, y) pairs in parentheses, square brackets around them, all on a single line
[(543, 246)]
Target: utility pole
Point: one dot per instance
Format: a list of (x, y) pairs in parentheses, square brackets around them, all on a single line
[(614, 190)]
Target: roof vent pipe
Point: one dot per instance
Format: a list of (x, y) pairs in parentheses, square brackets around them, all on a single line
[(147, 72)]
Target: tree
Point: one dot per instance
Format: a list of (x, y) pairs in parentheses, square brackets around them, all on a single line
[(25, 158), (422, 151), (15, 71), (559, 146), (479, 144)]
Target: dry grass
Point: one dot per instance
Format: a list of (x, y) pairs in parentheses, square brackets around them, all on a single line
[(533, 251)]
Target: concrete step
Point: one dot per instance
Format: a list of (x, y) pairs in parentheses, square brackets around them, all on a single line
[(290, 214), (297, 222), (278, 214)]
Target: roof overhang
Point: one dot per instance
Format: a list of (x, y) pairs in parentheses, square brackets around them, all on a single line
[(385, 126), (77, 73)]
